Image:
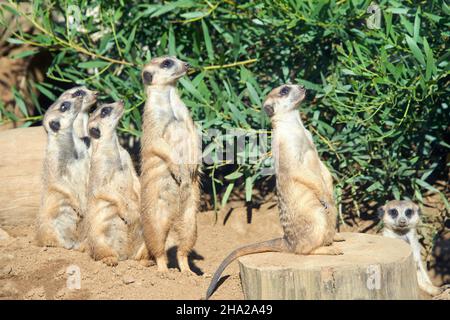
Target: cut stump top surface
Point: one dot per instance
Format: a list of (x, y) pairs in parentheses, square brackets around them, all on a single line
[(359, 248)]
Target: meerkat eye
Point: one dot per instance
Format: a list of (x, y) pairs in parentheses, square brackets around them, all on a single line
[(284, 91), (64, 106), (79, 93), (166, 64), (106, 111), (393, 213), (409, 213)]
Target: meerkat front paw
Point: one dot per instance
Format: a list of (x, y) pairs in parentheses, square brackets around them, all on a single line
[(338, 238), (47, 239), (331, 250), (110, 261)]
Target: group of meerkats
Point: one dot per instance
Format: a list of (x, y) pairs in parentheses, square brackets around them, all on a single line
[(94, 201)]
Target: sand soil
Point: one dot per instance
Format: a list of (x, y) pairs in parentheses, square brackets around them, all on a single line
[(31, 272)]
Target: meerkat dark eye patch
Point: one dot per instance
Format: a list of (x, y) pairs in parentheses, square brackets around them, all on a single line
[(106, 111), (166, 64), (95, 133), (64, 106), (147, 77), (393, 213), (380, 212), (87, 141), (285, 91), (409, 213), (268, 108), (79, 93)]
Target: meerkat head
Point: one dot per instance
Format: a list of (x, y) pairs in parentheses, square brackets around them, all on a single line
[(399, 215), (60, 115), (89, 97), (104, 119), (163, 71), (283, 99)]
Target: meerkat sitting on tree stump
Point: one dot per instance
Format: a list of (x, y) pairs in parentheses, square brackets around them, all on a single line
[(304, 186), (170, 157), (114, 230)]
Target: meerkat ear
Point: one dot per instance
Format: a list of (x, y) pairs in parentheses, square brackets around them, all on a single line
[(268, 108), (147, 77), (417, 209), (380, 212)]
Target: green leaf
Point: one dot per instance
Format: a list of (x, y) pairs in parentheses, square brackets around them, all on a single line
[(233, 176), (248, 189), (24, 54), (20, 102), (208, 43), (415, 50), (93, 64), (227, 193)]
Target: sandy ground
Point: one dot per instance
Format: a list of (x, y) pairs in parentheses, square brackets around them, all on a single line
[(31, 272)]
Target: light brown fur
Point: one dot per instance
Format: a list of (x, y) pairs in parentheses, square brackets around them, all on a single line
[(62, 199), (304, 186), (113, 226), (402, 224), (170, 153)]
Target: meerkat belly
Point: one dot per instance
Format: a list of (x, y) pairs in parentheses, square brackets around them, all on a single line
[(117, 237), (180, 139), (300, 212), (65, 224)]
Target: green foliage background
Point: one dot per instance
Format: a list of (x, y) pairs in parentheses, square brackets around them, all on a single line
[(378, 98)]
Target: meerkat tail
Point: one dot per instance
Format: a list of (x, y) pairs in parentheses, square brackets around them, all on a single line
[(274, 245)]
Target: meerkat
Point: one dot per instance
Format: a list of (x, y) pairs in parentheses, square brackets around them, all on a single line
[(304, 186), (170, 163), (61, 201), (400, 219), (80, 125), (114, 229)]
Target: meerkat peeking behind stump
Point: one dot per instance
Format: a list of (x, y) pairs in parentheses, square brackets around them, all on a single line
[(170, 157), (400, 219), (114, 230), (304, 186), (62, 193)]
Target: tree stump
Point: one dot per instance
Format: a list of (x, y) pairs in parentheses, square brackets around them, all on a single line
[(372, 267), (22, 154)]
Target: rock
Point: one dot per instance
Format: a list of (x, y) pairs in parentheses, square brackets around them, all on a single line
[(128, 279), (21, 166), (4, 235)]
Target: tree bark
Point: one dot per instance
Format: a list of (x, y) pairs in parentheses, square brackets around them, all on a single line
[(372, 267)]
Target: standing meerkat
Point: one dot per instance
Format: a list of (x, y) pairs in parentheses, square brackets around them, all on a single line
[(62, 201), (80, 125), (400, 219), (81, 138), (170, 157), (114, 230), (304, 186)]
